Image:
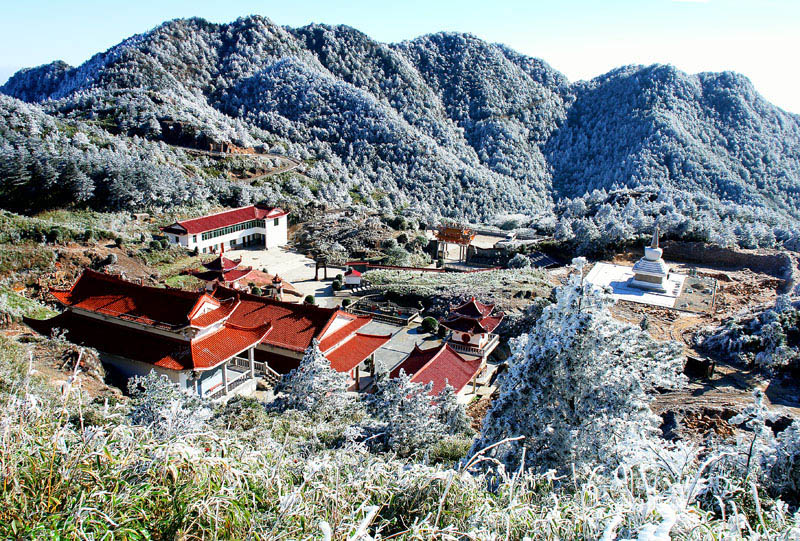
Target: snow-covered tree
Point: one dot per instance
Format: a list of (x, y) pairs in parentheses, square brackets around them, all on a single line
[(452, 414), (410, 416), (578, 387), (313, 385), (160, 405)]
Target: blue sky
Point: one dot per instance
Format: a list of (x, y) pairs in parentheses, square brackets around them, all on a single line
[(580, 38)]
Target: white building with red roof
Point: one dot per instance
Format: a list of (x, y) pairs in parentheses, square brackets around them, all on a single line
[(253, 225), (212, 343), (472, 327)]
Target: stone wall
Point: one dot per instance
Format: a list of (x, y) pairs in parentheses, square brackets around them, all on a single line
[(778, 264)]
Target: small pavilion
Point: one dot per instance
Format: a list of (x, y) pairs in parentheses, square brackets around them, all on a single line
[(472, 327), (458, 235)]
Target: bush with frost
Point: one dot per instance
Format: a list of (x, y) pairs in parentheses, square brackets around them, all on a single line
[(160, 405)]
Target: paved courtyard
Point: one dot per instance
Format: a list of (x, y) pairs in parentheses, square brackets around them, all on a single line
[(617, 278), (401, 344), (294, 267)]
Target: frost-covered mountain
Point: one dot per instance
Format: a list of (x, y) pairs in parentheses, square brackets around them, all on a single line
[(443, 124)]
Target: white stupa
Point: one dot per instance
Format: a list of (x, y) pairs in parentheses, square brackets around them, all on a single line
[(651, 272)]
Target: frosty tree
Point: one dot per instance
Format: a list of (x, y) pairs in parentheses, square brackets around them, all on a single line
[(161, 405), (313, 384), (452, 414), (411, 417), (578, 384)]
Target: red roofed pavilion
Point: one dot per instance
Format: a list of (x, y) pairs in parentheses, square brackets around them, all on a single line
[(440, 365), (472, 326)]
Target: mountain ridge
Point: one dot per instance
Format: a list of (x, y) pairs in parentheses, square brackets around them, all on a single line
[(444, 124)]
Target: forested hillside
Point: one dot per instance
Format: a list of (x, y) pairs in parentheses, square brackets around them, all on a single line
[(445, 124)]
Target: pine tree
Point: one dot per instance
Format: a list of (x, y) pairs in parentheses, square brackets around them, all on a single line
[(411, 417)]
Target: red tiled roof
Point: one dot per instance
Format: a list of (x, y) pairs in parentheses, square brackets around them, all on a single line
[(151, 348), (356, 322), (293, 325), (226, 308), (222, 264), (474, 326), (352, 272), (440, 365), (227, 218), (110, 295), (223, 344), (473, 309), (353, 352)]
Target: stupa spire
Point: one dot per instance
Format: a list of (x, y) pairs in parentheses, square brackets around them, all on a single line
[(654, 242)]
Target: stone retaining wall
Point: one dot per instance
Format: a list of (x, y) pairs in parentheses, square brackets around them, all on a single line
[(778, 264)]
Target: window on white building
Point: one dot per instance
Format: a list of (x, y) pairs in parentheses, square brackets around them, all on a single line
[(194, 238), (277, 221)]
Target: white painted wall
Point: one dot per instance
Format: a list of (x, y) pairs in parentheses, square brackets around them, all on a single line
[(276, 235)]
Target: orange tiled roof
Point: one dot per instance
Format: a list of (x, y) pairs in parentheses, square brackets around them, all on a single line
[(113, 296), (440, 365), (293, 325), (356, 322), (474, 326), (355, 350), (151, 348)]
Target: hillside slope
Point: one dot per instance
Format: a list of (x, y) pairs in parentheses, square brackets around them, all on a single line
[(444, 124)]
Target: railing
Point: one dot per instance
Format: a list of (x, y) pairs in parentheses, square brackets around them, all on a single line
[(261, 368), (475, 350), (238, 381)]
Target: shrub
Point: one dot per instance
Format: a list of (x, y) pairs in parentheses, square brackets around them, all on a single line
[(336, 285), (255, 290), (430, 325), (118, 242), (313, 385), (155, 245), (346, 303), (309, 299), (519, 261)]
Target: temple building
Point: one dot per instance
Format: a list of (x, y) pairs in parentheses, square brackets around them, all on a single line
[(458, 235), (471, 327), (211, 343), (651, 272), (440, 365), (254, 225), (231, 273)]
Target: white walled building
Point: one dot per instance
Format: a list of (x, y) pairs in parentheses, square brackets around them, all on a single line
[(254, 225)]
